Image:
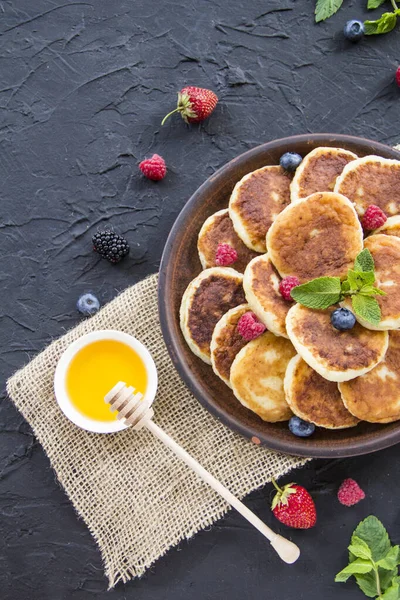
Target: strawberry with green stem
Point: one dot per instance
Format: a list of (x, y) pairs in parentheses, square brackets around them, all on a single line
[(293, 506), (194, 104)]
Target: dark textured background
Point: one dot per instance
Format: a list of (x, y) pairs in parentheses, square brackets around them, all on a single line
[(83, 87)]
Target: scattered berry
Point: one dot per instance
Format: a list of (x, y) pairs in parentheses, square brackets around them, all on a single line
[(249, 327), (110, 245), (373, 218), (286, 286), (290, 161), (88, 304), (225, 255), (350, 493), (353, 30), (398, 76), (301, 428), (343, 319), (194, 104), (153, 168), (293, 506)]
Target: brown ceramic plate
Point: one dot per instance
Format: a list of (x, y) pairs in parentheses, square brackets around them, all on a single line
[(180, 264)]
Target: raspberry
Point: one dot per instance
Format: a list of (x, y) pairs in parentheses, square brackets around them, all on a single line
[(350, 493), (225, 255), (398, 76), (286, 286), (249, 327), (153, 168), (373, 218)]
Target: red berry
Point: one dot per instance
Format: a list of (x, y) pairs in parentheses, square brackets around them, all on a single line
[(293, 506), (373, 218), (286, 286), (153, 168), (194, 104), (398, 76), (350, 493), (249, 327), (225, 255)]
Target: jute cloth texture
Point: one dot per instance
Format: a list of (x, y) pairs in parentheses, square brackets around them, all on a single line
[(136, 497)]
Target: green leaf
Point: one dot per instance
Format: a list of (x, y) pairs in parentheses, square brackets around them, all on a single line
[(364, 261), (392, 593), (373, 533), (359, 548), (357, 567), (345, 286), (367, 308), (318, 293), (386, 23), (378, 292), (354, 281), (375, 3), (326, 8), (391, 560)]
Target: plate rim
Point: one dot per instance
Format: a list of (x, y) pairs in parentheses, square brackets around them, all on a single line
[(356, 448)]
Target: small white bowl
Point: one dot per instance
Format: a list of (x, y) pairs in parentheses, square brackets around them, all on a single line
[(60, 389)]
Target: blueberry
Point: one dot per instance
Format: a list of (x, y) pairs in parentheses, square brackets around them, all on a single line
[(353, 30), (290, 161), (301, 428), (88, 304), (343, 319)]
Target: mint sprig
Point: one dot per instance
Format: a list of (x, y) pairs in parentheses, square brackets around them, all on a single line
[(373, 561), (324, 9), (322, 292)]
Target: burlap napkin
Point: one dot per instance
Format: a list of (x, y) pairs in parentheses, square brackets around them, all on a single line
[(135, 496)]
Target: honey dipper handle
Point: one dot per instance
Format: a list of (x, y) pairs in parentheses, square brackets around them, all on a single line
[(287, 551)]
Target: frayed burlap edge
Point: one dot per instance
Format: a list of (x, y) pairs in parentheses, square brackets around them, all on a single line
[(137, 499)]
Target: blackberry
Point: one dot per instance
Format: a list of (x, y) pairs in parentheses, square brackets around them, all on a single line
[(110, 245)]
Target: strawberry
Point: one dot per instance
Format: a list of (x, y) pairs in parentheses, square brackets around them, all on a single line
[(293, 506), (194, 104)]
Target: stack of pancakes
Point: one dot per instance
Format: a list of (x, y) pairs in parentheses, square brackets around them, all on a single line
[(305, 225)]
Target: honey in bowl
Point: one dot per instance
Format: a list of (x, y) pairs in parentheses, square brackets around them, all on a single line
[(95, 369)]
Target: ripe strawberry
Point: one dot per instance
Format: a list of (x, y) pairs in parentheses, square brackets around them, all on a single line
[(293, 506), (153, 168), (194, 104)]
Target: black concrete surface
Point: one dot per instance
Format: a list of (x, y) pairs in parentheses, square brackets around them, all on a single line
[(83, 88)]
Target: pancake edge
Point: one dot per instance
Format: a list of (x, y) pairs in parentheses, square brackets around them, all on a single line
[(295, 186), (217, 329), (255, 305), (207, 223), (187, 297), (307, 356)]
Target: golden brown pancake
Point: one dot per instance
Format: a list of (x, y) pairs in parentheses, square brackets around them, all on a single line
[(317, 236), (391, 227), (226, 342), (385, 250), (375, 397), (318, 171), (257, 375), (210, 295), (261, 286), (335, 355), (256, 201), (315, 399), (218, 229), (372, 180)]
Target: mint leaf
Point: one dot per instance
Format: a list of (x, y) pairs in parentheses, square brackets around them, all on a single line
[(364, 261), (354, 281), (367, 308), (367, 584), (391, 560), (326, 8), (373, 533), (386, 23), (345, 286), (359, 548), (392, 593), (357, 567), (374, 3), (318, 293)]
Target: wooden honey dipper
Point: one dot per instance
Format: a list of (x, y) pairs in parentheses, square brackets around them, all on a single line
[(138, 413)]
